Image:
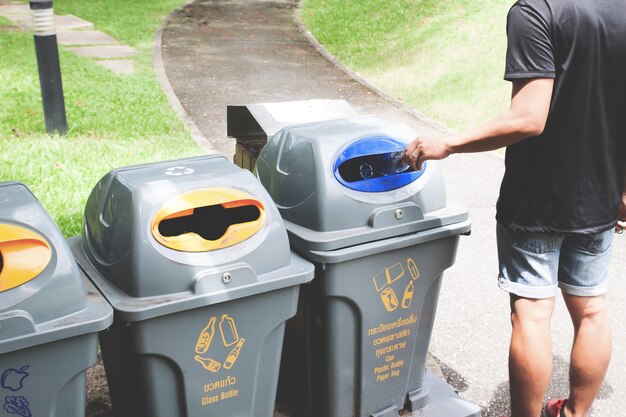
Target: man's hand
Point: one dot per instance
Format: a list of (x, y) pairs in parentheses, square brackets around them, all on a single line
[(621, 216), (422, 149)]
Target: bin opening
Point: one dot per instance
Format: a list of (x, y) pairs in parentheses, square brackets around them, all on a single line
[(210, 222), (23, 256), (374, 164), (209, 219)]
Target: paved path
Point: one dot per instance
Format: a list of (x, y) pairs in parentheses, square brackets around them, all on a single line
[(78, 36), (220, 52)]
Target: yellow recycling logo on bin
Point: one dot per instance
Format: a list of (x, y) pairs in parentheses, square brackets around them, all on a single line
[(230, 343), (392, 281)]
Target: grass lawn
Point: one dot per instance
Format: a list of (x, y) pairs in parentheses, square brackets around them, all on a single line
[(113, 120), (444, 58)]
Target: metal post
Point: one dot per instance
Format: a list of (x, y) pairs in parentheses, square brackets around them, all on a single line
[(47, 52)]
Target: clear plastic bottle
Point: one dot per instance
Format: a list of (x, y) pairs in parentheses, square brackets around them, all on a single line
[(392, 163)]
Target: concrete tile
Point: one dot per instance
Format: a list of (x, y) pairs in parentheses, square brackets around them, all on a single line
[(85, 37), (104, 52), (118, 66), (71, 22), (24, 21), (14, 9), (18, 14)]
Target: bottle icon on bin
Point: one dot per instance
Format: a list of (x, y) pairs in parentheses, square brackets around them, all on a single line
[(412, 266), (206, 337), (228, 329), (408, 295), (208, 363), (234, 354), (230, 337)]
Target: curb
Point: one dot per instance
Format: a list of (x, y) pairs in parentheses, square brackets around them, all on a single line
[(164, 82)]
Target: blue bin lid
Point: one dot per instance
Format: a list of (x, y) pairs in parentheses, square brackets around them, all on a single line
[(326, 209), (379, 148)]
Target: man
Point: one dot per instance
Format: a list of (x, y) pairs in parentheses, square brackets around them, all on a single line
[(563, 192)]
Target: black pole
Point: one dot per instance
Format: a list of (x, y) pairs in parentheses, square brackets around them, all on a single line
[(47, 51)]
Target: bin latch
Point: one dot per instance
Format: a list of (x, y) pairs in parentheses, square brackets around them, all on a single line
[(23, 255)]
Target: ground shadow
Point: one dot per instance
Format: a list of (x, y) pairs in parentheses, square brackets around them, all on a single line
[(559, 388)]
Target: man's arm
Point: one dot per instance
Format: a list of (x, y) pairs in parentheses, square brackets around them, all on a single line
[(526, 117)]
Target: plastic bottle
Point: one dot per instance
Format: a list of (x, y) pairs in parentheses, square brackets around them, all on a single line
[(392, 163)]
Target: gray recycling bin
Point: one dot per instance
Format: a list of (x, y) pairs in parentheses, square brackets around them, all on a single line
[(381, 236), (194, 258), (49, 313)]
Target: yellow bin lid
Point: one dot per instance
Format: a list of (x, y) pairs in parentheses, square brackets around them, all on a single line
[(208, 219), (24, 255)]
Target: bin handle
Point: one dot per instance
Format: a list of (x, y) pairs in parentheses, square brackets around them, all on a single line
[(185, 205), (24, 255)]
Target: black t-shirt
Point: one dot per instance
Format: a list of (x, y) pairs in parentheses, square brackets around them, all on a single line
[(570, 178)]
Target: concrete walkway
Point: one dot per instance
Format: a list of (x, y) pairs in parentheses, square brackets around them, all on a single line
[(78, 36), (221, 52)]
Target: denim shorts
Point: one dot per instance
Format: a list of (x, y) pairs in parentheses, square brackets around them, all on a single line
[(534, 264)]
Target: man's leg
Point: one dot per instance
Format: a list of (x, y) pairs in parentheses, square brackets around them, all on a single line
[(530, 355), (591, 351)]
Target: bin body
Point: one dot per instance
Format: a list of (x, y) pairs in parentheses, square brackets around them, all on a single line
[(376, 357), (199, 312), (151, 368), (380, 244), (49, 313)]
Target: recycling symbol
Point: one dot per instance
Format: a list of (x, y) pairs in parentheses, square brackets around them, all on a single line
[(177, 171)]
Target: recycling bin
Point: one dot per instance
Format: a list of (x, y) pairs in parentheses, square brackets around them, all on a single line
[(380, 236), (49, 313), (195, 260)]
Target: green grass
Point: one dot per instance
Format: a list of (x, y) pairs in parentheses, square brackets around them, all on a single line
[(113, 120), (132, 21), (444, 58)]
